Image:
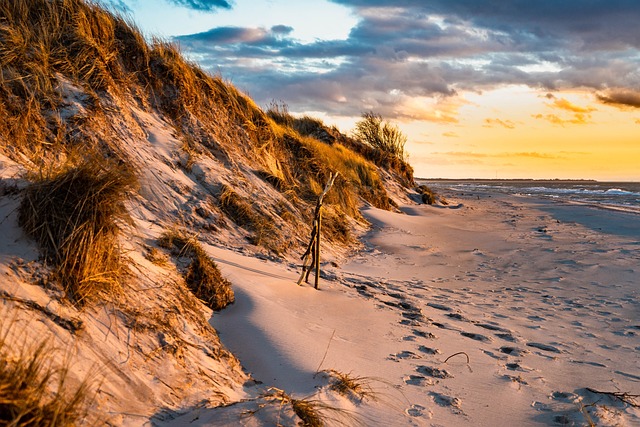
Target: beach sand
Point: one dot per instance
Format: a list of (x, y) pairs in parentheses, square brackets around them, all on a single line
[(542, 297)]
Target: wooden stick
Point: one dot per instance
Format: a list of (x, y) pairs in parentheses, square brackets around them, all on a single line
[(313, 249), (629, 399), (318, 248)]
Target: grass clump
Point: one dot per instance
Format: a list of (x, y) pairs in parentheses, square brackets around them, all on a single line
[(35, 393), (237, 208), (201, 274), (351, 386), (381, 135), (429, 196), (307, 411), (75, 214), (312, 413), (247, 216)]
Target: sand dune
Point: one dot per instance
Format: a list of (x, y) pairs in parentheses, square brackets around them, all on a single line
[(542, 297)]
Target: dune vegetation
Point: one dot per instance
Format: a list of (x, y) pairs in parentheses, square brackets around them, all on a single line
[(83, 97)]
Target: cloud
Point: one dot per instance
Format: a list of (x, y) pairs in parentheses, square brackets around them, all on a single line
[(411, 49), (620, 98), (577, 119), (476, 155), (499, 122), (563, 104), (203, 5), (450, 135)]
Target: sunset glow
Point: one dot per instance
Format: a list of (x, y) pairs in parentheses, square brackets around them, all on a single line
[(521, 90)]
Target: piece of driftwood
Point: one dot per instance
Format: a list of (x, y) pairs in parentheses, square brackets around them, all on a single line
[(311, 257), (629, 399)]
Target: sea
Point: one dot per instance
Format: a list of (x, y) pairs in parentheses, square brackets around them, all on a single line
[(624, 196)]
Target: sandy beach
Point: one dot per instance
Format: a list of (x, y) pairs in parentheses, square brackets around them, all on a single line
[(541, 296)]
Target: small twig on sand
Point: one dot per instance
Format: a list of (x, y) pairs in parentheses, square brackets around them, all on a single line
[(456, 354), (325, 354), (629, 399)]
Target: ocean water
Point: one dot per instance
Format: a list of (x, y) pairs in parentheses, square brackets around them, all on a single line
[(612, 195)]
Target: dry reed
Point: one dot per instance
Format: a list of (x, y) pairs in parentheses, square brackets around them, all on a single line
[(34, 392), (75, 214), (202, 274)]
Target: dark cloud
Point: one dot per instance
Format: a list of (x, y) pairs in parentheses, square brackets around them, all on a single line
[(620, 98), (203, 5), (412, 48)]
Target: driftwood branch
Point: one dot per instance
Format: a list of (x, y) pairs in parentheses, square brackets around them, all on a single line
[(311, 257), (456, 354), (629, 399)]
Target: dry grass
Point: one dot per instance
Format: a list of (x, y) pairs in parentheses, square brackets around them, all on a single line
[(75, 213), (47, 45), (312, 413), (202, 274), (351, 386), (34, 392), (429, 196), (308, 412), (251, 218)]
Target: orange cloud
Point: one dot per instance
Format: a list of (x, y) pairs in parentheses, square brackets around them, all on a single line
[(578, 119), (451, 135), (504, 123), (472, 154), (564, 104)]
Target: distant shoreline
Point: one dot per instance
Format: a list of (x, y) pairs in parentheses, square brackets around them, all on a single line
[(523, 180)]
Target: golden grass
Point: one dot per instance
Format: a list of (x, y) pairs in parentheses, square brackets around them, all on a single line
[(312, 413), (202, 274), (75, 213), (351, 386), (34, 392), (429, 196), (48, 44)]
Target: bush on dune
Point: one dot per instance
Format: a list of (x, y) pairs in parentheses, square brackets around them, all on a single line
[(75, 214), (202, 274)]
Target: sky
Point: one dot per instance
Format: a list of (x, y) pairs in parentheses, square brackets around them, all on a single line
[(538, 89)]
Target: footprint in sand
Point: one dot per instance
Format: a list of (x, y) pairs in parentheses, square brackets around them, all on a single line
[(494, 355), (545, 347), (516, 366), (434, 372), (424, 334), (439, 306), (516, 380), (477, 337), (444, 400), (513, 351), (403, 355), (428, 350), (458, 316), (492, 327), (583, 362), (418, 411), (418, 380), (565, 397), (507, 337)]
